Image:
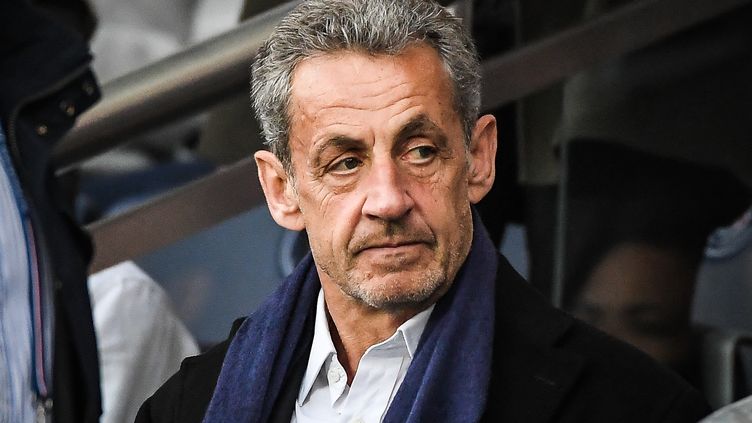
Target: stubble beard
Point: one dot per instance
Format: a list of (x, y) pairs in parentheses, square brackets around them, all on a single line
[(393, 294), (410, 292)]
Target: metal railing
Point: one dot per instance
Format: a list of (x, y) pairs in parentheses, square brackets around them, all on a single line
[(205, 74), (640, 23), (175, 87)]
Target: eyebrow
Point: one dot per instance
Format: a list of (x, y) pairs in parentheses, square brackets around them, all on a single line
[(340, 142), (421, 124)]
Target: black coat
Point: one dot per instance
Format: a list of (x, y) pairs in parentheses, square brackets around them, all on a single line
[(548, 367), (45, 83)]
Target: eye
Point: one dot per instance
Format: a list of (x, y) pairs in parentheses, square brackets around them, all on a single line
[(345, 166), (421, 154)]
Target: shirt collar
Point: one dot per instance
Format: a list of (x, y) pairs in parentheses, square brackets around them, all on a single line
[(412, 330), (323, 347)]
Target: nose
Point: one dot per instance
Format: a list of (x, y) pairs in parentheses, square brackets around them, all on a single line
[(386, 197)]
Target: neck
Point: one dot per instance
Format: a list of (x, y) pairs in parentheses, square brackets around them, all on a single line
[(355, 326)]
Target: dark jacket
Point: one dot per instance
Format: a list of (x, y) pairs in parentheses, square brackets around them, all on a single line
[(547, 367), (45, 83)]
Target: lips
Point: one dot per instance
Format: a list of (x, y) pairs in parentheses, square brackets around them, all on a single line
[(391, 244)]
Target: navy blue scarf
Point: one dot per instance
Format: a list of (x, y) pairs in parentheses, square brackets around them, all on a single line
[(447, 380)]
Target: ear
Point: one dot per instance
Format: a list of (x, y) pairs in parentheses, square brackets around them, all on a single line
[(280, 194), (482, 170)]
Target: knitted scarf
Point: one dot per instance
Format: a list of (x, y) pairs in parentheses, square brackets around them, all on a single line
[(447, 380)]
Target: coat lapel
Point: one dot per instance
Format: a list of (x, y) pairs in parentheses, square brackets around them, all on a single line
[(531, 376)]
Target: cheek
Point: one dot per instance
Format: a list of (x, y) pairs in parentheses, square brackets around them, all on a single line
[(330, 218), (449, 194), (444, 206), (315, 202)]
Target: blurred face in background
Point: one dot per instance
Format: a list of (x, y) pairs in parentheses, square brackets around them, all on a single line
[(640, 294)]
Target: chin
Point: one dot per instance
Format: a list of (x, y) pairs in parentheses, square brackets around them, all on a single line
[(397, 291)]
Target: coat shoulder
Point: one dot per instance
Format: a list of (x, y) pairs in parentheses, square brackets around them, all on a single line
[(549, 366), (186, 395), (627, 382)]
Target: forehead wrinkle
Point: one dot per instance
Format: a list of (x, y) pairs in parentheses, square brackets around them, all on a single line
[(397, 89), (364, 91), (413, 102), (359, 101)]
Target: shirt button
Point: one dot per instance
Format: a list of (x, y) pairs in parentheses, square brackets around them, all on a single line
[(88, 87), (68, 108), (358, 420)]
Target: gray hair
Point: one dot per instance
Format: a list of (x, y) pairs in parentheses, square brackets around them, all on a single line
[(370, 26)]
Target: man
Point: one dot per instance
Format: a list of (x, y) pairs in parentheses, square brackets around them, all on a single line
[(404, 311)]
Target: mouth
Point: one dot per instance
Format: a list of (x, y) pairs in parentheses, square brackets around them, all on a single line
[(392, 246)]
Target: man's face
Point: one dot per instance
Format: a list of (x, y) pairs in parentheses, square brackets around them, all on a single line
[(380, 175)]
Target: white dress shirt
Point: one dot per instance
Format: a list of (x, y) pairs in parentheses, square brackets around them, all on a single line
[(16, 334), (141, 341), (324, 394), (737, 412)]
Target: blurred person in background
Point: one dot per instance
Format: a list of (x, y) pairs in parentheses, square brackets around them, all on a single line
[(50, 368), (658, 157)]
